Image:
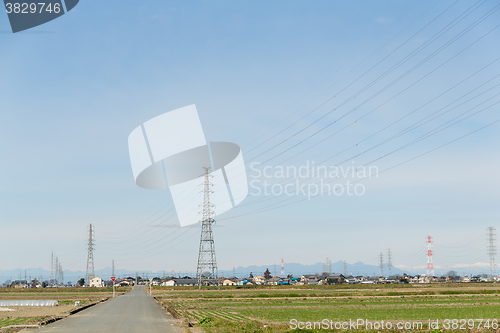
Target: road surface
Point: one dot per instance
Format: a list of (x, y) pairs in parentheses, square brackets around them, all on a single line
[(133, 312)]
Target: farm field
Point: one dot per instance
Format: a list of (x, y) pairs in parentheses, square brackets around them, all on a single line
[(34, 315), (271, 308)]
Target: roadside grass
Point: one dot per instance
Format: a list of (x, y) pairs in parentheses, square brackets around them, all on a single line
[(12, 321), (22, 321)]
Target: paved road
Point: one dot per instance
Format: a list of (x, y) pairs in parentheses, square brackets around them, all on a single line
[(133, 312)]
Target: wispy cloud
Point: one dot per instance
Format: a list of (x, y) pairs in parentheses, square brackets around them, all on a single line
[(383, 20)]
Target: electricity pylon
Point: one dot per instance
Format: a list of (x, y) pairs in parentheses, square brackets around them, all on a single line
[(207, 263), (492, 250), (90, 256)]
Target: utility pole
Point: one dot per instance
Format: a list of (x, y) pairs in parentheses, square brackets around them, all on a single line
[(381, 264), (492, 250), (345, 268), (113, 275), (389, 262), (90, 256), (430, 264), (206, 255)]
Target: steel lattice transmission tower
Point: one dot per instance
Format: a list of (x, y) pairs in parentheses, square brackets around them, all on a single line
[(56, 271), (90, 256), (282, 275), (492, 250), (61, 275), (389, 262), (51, 268), (381, 264), (430, 264), (207, 262), (327, 266)]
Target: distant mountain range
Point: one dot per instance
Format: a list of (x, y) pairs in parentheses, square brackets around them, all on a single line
[(295, 269)]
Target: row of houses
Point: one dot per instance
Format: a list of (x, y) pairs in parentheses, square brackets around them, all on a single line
[(311, 279), (319, 280), (234, 281)]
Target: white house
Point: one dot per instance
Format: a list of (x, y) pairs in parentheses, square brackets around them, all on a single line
[(169, 283), (228, 282), (259, 280), (96, 281)]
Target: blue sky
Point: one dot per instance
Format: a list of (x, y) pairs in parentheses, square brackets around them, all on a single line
[(73, 89)]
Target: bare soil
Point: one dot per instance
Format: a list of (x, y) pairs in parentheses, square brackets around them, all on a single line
[(35, 311)]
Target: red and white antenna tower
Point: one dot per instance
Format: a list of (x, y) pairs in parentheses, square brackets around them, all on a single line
[(430, 265), (282, 269)]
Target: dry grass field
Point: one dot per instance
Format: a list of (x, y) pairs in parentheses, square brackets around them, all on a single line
[(476, 307)]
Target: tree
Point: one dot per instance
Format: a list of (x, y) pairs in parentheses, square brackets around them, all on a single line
[(251, 275), (334, 280), (453, 275), (81, 282), (267, 274)]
